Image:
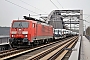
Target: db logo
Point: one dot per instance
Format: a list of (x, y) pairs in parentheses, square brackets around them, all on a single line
[(19, 32)]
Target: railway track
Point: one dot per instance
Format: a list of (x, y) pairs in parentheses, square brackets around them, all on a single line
[(26, 53), (57, 52)]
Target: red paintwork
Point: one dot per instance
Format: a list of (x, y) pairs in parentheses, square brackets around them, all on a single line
[(32, 32)]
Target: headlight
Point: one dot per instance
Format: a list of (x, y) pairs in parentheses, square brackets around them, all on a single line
[(25, 35), (12, 35), (24, 32), (13, 32)]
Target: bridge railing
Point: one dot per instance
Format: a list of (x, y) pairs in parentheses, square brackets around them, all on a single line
[(75, 55), (4, 40)]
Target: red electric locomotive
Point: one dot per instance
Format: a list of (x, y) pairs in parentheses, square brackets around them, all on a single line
[(29, 31)]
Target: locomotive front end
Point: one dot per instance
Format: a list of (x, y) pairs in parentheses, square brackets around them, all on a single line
[(19, 33)]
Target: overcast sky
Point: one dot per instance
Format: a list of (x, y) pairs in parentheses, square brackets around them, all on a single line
[(9, 11)]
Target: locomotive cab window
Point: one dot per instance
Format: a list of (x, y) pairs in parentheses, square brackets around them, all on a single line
[(20, 24)]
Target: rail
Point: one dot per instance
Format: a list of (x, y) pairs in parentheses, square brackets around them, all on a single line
[(75, 55)]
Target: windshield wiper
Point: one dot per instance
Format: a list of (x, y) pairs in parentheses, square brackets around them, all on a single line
[(20, 25)]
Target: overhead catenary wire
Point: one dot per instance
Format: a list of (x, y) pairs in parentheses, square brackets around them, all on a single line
[(32, 6), (60, 4), (54, 4), (21, 7), (86, 21), (86, 18)]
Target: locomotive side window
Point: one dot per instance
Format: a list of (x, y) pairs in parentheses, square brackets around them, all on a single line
[(56, 31), (20, 24), (33, 25)]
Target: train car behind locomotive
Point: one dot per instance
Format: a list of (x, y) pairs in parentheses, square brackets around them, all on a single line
[(29, 31), (59, 33)]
